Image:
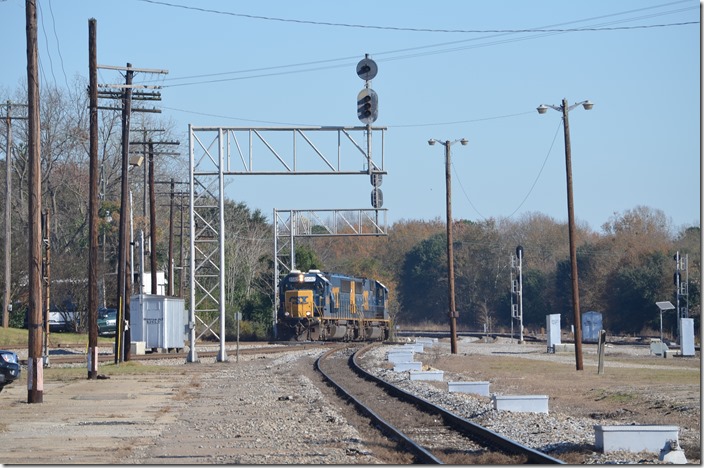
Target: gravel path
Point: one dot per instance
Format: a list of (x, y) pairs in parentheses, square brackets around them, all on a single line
[(260, 409)]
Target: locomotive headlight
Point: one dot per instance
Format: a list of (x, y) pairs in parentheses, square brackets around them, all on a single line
[(300, 278), (286, 314), (307, 314)]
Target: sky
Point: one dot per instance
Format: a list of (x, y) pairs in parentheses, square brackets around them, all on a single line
[(447, 70)]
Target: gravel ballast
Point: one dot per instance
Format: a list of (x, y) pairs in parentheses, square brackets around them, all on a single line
[(272, 409)]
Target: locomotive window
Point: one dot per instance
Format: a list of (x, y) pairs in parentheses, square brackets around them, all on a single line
[(290, 286)]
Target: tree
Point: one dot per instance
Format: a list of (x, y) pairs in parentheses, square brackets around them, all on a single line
[(636, 288), (423, 290)]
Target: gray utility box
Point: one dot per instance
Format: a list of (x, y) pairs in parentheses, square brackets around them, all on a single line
[(158, 321)]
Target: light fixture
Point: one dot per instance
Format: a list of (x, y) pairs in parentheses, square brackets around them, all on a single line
[(136, 161)]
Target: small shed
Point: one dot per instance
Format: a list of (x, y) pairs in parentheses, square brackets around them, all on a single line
[(591, 326), (158, 321)]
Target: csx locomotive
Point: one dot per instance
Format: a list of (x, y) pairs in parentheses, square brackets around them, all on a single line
[(328, 306)]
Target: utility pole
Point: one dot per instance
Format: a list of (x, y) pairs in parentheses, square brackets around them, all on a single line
[(172, 195), (122, 334), (8, 218), (126, 95), (8, 214), (46, 268), (181, 253), (450, 255), (152, 201), (35, 380), (170, 292), (564, 109), (152, 218), (93, 204), (573, 241)]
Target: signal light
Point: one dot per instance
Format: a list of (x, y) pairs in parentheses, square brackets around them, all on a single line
[(364, 107), (367, 106), (377, 198)]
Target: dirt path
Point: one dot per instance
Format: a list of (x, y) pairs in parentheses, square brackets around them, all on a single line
[(86, 421)]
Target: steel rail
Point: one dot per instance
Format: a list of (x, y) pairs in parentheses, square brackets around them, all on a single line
[(421, 454), (77, 358), (474, 430)]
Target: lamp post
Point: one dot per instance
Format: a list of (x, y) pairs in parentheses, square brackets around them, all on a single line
[(564, 108), (450, 262)]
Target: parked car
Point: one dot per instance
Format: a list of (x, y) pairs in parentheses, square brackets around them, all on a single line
[(63, 321), (9, 368), (107, 322)]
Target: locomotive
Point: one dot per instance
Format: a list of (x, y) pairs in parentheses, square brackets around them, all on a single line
[(318, 306)]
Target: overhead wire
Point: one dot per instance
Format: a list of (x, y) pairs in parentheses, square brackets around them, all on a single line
[(58, 44), (46, 41), (386, 28), (542, 167), (547, 31)]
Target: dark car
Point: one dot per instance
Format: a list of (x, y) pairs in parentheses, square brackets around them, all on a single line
[(9, 368), (107, 322)]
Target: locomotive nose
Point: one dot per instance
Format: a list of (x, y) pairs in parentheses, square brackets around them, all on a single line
[(299, 303)]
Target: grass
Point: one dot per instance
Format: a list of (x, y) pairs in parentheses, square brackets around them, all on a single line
[(19, 338), (616, 397)]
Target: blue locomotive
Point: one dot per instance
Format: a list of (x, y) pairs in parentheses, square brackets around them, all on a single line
[(328, 306)]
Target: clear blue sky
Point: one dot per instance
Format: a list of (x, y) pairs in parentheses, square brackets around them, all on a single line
[(635, 60)]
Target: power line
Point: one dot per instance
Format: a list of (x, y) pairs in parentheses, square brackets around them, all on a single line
[(545, 31), (483, 119), (58, 45), (399, 57), (46, 41), (397, 28), (539, 172), (270, 122)]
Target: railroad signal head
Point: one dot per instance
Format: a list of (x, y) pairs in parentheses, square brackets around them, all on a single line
[(367, 69), (367, 106), (377, 198)]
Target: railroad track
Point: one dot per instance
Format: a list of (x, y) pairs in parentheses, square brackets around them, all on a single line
[(77, 358), (430, 433)]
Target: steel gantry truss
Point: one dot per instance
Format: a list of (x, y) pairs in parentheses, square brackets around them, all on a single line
[(216, 152), (289, 224)]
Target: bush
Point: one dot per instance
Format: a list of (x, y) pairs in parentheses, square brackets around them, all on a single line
[(249, 331)]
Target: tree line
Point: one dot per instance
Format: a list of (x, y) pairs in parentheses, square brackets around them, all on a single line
[(624, 268)]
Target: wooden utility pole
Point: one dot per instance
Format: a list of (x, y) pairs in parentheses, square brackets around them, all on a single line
[(122, 335), (170, 292), (572, 240), (152, 205), (152, 218), (172, 200), (35, 380), (8, 215), (124, 289), (450, 255), (93, 203), (46, 271), (8, 219), (181, 254)]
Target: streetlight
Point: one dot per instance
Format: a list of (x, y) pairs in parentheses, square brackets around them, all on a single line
[(450, 263), (564, 108)]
